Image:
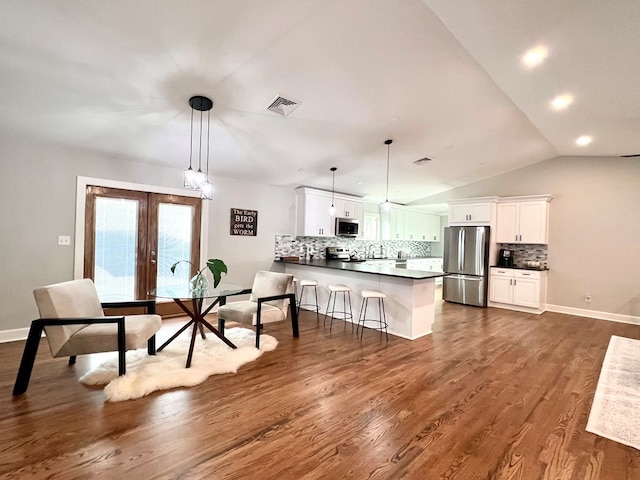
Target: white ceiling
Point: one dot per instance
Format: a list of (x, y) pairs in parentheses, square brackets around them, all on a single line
[(441, 78)]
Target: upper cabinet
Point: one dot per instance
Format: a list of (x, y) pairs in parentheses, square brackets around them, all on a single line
[(349, 208), (473, 211), (523, 220), (402, 223), (313, 218)]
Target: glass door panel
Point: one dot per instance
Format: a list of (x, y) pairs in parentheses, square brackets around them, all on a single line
[(174, 244), (116, 246)]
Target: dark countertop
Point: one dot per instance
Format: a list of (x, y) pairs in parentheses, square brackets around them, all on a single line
[(360, 267), (535, 269)]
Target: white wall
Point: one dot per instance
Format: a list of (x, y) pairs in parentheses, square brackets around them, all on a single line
[(38, 189), (594, 240)]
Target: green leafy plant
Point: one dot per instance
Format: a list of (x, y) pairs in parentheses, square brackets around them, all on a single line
[(216, 266)]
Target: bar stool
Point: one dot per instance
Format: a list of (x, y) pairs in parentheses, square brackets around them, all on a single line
[(382, 317), (334, 290), (309, 283)]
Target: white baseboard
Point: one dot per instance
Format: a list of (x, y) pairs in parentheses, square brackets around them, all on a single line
[(13, 335), (21, 333), (581, 312)]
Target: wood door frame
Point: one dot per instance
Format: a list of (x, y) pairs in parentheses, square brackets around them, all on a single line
[(142, 198), (81, 186)]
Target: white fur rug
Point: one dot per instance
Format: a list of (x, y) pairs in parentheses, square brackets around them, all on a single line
[(146, 374), (615, 412)]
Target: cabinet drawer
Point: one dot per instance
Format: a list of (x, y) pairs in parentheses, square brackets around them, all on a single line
[(502, 272), (526, 274)]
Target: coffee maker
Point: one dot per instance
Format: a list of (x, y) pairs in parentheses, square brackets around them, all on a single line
[(505, 258)]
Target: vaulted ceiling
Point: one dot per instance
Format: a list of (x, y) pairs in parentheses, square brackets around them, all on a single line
[(444, 79)]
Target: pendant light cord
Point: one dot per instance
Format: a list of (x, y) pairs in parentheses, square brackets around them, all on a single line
[(333, 188), (208, 139), (387, 196), (191, 142), (200, 149)]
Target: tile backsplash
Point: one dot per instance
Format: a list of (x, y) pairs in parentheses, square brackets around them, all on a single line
[(523, 253), (290, 246)]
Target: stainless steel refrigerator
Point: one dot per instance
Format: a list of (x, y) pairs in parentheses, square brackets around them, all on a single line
[(466, 261)]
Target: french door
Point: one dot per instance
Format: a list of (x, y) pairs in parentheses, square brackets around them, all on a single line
[(132, 238)]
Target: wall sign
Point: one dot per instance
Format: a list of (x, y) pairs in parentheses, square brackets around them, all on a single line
[(244, 222)]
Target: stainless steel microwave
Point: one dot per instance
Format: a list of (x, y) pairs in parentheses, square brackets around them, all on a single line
[(347, 227)]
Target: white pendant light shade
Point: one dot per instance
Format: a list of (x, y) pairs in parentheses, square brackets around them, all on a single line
[(189, 178), (206, 192)]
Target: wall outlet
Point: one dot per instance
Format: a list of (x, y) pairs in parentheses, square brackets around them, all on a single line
[(64, 240), (587, 298)]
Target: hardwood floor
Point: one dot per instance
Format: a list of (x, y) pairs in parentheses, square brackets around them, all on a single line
[(491, 394)]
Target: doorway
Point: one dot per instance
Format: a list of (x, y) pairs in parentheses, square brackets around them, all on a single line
[(131, 239)]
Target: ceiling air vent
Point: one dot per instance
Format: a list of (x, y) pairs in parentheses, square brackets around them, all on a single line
[(282, 106), (422, 161), (633, 155)]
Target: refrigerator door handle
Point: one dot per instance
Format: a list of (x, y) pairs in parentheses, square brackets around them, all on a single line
[(466, 277), (461, 250)]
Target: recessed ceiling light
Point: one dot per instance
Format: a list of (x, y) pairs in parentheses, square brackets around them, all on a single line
[(584, 140), (535, 56), (562, 101)]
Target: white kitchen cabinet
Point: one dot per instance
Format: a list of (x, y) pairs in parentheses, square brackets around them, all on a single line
[(432, 233), (349, 208), (425, 264), (523, 290), (472, 212), (313, 218), (523, 221), (371, 227), (407, 224), (397, 218)]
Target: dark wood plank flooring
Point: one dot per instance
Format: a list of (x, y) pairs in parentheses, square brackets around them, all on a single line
[(491, 394)]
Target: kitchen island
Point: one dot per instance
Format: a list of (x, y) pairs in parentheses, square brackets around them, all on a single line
[(410, 302)]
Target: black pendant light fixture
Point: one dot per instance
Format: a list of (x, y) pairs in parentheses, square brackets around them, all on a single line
[(199, 180), (332, 209), (387, 204)]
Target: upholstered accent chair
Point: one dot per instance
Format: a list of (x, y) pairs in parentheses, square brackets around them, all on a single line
[(271, 295), (74, 323)]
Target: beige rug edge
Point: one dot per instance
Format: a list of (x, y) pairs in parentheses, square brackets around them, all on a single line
[(615, 411)]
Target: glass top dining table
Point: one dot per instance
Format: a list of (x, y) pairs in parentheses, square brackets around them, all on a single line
[(191, 302)]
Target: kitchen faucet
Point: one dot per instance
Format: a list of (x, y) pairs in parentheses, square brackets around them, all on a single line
[(369, 254)]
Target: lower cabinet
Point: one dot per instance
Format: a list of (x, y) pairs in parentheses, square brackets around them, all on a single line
[(425, 264), (524, 290)]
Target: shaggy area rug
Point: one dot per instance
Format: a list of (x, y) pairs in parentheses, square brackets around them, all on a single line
[(146, 374), (615, 412)]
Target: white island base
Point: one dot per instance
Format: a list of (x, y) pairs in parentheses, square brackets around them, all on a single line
[(409, 305)]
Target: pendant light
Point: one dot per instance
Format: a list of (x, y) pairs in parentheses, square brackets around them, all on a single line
[(199, 180), (332, 209), (387, 204)]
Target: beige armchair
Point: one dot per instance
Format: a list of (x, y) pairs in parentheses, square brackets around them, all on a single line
[(271, 295), (74, 323)]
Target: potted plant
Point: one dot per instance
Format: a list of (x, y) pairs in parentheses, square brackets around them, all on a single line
[(199, 282)]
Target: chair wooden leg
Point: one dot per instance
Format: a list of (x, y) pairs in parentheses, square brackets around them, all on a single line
[(28, 358), (72, 360), (221, 325)]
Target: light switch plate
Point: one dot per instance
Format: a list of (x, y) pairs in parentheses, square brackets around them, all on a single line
[(64, 240)]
